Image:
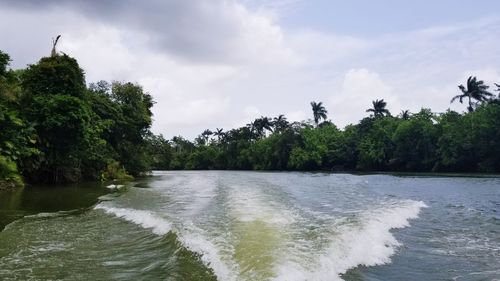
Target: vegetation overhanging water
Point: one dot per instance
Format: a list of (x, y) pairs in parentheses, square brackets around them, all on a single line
[(56, 129)]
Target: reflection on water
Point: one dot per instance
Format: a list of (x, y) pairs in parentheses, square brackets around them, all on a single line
[(16, 203)]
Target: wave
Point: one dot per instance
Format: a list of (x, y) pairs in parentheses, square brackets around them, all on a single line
[(191, 238), (363, 241), (43, 216), (195, 240), (146, 219)]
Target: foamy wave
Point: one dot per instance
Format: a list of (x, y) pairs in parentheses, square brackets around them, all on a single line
[(115, 186), (146, 219), (362, 238), (52, 215), (195, 241), (192, 239), (367, 241), (251, 205)]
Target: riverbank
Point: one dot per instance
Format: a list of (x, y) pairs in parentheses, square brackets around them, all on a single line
[(6, 185)]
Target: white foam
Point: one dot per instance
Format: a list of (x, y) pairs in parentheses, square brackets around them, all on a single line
[(146, 219), (194, 240), (190, 196), (249, 205), (191, 238), (367, 241), (356, 238), (55, 247), (115, 186)]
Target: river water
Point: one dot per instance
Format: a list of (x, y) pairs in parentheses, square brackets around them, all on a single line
[(225, 225)]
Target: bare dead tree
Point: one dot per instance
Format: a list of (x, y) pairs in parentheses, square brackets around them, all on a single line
[(54, 43)]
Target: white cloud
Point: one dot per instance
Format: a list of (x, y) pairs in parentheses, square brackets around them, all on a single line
[(359, 88), (250, 113), (297, 115), (321, 48), (229, 64)]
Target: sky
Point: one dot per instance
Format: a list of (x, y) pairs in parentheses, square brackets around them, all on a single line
[(222, 63)]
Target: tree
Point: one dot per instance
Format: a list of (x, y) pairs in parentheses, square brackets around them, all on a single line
[(219, 133), (379, 109), (405, 114), (317, 149), (132, 125), (237, 148), (319, 112), (58, 75), (4, 62), (202, 158), (206, 134), (260, 125), (54, 94), (486, 136), (280, 123), (475, 90), (376, 146), (160, 151), (455, 148), (16, 135), (182, 149), (415, 142), (54, 129)]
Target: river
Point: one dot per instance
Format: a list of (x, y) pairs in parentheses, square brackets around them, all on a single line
[(226, 225)]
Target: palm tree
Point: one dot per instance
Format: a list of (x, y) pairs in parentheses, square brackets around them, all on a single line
[(206, 134), (219, 133), (245, 133), (280, 123), (319, 112), (267, 124), (405, 114), (179, 143), (260, 125), (476, 90), (379, 109)]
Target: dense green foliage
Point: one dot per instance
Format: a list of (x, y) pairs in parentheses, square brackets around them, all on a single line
[(15, 135), (420, 142), (56, 129)]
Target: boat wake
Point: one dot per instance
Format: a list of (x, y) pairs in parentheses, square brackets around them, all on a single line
[(261, 238), (364, 240), (145, 219)]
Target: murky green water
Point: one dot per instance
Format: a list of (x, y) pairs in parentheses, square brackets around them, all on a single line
[(254, 226)]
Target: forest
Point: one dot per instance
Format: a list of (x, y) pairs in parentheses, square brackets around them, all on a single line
[(56, 128), (423, 141)]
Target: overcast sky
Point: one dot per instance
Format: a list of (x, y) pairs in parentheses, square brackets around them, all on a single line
[(221, 63)]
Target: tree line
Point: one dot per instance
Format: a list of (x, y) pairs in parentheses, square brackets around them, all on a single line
[(423, 141), (54, 128)]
